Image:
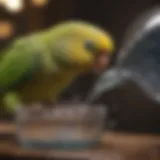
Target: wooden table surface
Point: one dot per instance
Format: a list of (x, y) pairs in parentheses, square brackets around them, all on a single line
[(114, 146)]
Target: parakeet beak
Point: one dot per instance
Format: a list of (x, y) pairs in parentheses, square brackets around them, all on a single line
[(101, 62)]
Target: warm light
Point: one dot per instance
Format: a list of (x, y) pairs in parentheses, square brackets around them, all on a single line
[(6, 29), (39, 2), (2, 2), (14, 5)]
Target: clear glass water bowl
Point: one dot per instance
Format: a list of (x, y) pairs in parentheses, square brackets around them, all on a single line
[(64, 126)]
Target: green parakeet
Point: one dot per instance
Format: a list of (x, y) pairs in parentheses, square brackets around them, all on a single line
[(38, 67)]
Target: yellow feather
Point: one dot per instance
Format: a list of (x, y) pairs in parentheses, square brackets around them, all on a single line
[(46, 87)]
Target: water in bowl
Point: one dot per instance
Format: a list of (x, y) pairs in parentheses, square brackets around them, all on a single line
[(67, 126)]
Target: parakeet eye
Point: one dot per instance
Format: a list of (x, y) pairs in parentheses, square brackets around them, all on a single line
[(89, 45)]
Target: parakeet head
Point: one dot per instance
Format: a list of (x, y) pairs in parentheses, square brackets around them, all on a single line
[(82, 45)]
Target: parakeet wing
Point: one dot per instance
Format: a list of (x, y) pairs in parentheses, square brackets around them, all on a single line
[(17, 63)]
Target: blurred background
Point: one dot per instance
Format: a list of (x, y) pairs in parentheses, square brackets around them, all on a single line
[(21, 17)]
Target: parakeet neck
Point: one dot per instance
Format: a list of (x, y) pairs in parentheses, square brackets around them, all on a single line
[(57, 49)]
